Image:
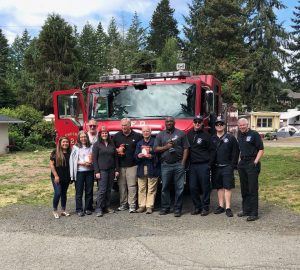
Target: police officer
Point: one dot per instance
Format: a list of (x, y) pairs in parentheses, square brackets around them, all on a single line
[(251, 151), (200, 161), (226, 154)]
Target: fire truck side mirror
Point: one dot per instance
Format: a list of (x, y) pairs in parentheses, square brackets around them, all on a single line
[(209, 94), (74, 106)]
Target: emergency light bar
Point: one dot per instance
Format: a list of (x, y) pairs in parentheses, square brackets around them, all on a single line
[(156, 75)]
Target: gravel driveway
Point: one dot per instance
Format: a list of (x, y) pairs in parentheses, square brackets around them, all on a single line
[(30, 238)]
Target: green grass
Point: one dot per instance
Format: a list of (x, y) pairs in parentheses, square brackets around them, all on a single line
[(280, 177)]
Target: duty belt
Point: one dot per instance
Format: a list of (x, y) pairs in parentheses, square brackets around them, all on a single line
[(247, 157)]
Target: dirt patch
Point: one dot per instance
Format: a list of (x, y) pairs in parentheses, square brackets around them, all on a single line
[(284, 142)]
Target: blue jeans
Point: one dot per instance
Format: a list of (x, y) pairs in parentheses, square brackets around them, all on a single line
[(200, 183), (172, 173), (60, 193), (84, 181), (104, 189)]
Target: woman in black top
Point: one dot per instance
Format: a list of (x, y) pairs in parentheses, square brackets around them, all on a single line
[(60, 175), (106, 169)]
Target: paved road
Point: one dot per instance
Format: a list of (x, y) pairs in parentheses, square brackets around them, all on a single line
[(30, 238)]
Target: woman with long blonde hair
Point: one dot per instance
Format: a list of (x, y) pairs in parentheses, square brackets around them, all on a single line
[(60, 175)]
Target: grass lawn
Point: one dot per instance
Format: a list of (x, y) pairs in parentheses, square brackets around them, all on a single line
[(25, 178), (280, 177)]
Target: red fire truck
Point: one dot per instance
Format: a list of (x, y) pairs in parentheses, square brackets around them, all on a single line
[(144, 98)]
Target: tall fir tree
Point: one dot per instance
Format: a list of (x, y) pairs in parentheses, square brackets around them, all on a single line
[(18, 77), (214, 42), (266, 40), (52, 61), (115, 53), (294, 47), (134, 46), (87, 44), (162, 27), (101, 50), (6, 95)]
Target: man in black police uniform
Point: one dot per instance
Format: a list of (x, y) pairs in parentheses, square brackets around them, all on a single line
[(226, 154), (200, 162), (172, 145), (251, 151)]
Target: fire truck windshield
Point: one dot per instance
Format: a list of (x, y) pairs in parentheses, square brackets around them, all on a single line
[(159, 100)]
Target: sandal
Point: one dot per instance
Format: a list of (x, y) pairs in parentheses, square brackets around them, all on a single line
[(65, 214), (55, 214)]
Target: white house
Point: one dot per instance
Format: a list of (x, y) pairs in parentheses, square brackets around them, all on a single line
[(4, 141), (290, 118)]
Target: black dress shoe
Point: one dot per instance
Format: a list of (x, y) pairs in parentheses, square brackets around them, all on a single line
[(204, 212), (163, 212), (241, 214), (177, 214), (219, 210), (196, 212), (229, 212), (252, 218)]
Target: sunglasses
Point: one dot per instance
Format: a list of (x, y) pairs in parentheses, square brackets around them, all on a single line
[(92, 126), (197, 122), (219, 124)]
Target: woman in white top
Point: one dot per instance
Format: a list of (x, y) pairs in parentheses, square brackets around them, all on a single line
[(82, 172)]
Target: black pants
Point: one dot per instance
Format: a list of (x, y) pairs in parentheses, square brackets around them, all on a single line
[(248, 173), (104, 189), (84, 182)]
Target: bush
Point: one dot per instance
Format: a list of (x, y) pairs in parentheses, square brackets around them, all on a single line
[(34, 134)]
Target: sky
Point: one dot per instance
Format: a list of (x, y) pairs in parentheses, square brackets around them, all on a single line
[(16, 15)]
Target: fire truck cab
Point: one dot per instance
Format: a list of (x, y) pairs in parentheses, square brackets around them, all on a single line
[(146, 99)]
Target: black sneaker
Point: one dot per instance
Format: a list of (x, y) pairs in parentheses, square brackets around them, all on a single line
[(196, 212), (229, 212), (204, 212), (241, 214), (252, 218), (80, 214), (177, 214), (219, 210), (88, 212), (163, 212)]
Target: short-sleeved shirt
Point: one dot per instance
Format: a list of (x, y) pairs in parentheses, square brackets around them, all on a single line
[(226, 149), (250, 143), (62, 171), (130, 142), (180, 142)]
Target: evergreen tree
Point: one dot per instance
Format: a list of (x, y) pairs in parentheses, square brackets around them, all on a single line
[(162, 27), (101, 50), (294, 47), (134, 45), (88, 50), (6, 97), (17, 74), (115, 53), (266, 39), (169, 57), (53, 61), (214, 42)]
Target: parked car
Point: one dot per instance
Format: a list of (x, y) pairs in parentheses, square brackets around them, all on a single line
[(288, 131)]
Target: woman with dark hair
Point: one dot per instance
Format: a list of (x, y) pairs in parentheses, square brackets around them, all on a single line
[(60, 175), (106, 169), (81, 171)]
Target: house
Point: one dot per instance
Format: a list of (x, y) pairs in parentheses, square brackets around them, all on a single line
[(4, 141), (290, 118), (263, 122)]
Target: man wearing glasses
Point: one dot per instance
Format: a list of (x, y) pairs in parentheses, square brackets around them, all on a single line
[(226, 154), (92, 131), (200, 160)]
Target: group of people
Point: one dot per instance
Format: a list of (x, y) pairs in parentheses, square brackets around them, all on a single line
[(138, 161)]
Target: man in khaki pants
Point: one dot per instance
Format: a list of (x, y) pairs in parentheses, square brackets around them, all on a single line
[(147, 172), (125, 142)]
